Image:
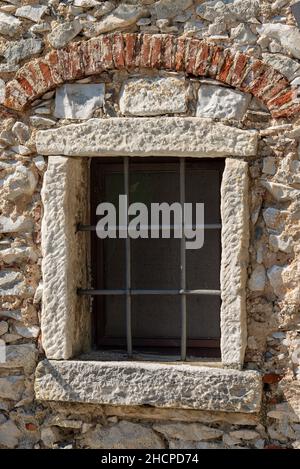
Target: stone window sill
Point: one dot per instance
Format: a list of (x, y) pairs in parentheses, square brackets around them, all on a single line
[(131, 383)]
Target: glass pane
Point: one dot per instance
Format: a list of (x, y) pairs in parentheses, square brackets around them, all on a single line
[(115, 323), (203, 265), (203, 186), (155, 262), (156, 317), (203, 316), (114, 263)]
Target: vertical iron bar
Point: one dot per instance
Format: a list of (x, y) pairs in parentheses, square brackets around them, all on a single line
[(128, 267), (183, 264)]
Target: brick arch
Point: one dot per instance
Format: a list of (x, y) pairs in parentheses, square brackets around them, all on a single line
[(162, 52)]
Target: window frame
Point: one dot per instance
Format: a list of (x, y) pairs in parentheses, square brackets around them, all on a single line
[(202, 347)]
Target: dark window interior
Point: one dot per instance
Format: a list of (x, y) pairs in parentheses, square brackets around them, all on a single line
[(155, 263)]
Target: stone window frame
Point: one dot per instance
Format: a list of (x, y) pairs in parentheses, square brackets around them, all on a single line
[(65, 324)]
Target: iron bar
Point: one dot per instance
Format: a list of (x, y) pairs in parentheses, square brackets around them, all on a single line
[(135, 292), (81, 227), (183, 264), (128, 266)]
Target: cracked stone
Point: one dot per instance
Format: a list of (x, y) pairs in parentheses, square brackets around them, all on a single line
[(122, 17), (62, 34), (9, 25), (32, 12), (78, 101), (19, 50), (287, 36)]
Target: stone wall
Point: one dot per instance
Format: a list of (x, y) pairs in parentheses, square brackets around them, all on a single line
[(236, 62)]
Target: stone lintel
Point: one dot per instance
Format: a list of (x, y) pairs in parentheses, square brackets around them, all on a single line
[(168, 136), (159, 385)]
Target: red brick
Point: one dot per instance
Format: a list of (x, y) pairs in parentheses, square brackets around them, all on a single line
[(252, 73), (274, 88), (168, 55), (156, 51), (217, 60), (191, 50), (203, 59), (272, 378), (46, 72), (106, 54), (180, 54), (145, 54), (224, 73), (238, 69), (130, 40), (279, 101), (31, 427), (118, 49), (287, 112)]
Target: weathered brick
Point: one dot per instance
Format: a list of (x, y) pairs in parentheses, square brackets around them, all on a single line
[(156, 51), (168, 55), (224, 73), (130, 40), (191, 50), (216, 61), (145, 55), (287, 112), (274, 88), (284, 98), (238, 69), (257, 67), (180, 55), (203, 59), (118, 50)]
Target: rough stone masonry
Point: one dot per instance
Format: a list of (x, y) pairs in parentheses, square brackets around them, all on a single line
[(234, 66)]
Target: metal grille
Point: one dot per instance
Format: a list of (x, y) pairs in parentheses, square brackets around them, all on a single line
[(130, 292)]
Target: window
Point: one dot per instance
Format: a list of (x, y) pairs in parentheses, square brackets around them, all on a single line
[(153, 295)]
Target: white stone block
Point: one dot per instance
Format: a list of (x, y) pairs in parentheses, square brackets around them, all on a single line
[(222, 103), (153, 96), (78, 101)]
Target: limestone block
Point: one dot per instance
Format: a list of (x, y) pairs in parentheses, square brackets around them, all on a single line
[(281, 192), (20, 183), (159, 385), (287, 66), (170, 8), (62, 34), (222, 103), (9, 25), (235, 242), (16, 51), (20, 356), (31, 12), (186, 431), (12, 283), (9, 434), (258, 279), (122, 17), (170, 136), (12, 387), (288, 36), (78, 101), (123, 435), (65, 328), (153, 96), (20, 224)]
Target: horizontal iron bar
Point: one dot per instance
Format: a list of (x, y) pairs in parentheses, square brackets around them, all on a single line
[(134, 292), (81, 227)]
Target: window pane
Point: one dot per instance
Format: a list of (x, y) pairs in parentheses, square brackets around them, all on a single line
[(203, 316), (203, 265), (156, 317), (115, 321), (203, 186)]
